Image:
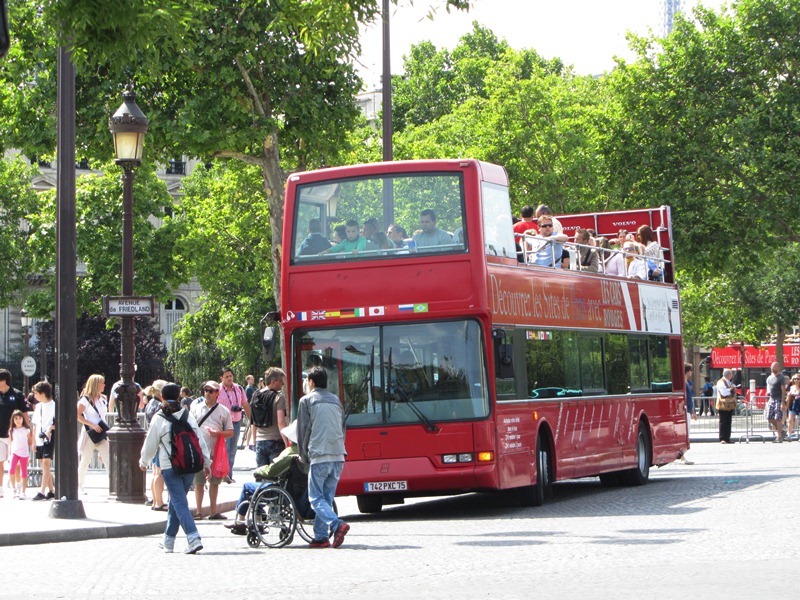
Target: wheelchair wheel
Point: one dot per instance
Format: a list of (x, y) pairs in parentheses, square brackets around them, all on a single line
[(252, 539), (272, 516), (305, 527)]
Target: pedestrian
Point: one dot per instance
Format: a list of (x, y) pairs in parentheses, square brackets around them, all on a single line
[(233, 397), (20, 440), (44, 426), (214, 421), (793, 403), (726, 405), (688, 371), (159, 441), (250, 433), (773, 411), (186, 397), (153, 406), (11, 399), (707, 407), (320, 437), (269, 411), (92, 410)]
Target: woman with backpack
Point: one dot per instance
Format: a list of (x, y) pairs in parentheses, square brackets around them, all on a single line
[(173, 434)]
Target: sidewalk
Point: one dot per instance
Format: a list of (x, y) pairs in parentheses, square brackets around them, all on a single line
[(28, 522)]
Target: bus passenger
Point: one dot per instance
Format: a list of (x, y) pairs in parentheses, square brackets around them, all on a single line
[(339, 234), (637, 267), (430, 235), (544, 210), (397, 234), (549, 253), (376, 239), (354, 241), (613, 262), (315, 242), (587, 257)]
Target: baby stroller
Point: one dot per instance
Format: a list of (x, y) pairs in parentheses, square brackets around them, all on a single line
[(278, 508)]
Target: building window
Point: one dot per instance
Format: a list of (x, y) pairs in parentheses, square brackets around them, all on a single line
[(176, 167), (174, 310)]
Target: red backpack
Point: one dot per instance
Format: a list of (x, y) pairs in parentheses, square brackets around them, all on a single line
[(186, 455)]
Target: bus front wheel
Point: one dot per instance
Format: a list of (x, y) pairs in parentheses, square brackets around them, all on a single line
[(535, 495), (369, 504)]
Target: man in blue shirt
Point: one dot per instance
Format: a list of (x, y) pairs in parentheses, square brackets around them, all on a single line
[(431, 235)]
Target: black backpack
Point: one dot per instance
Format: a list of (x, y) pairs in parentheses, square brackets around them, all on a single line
[(261, 407), (186, 455)]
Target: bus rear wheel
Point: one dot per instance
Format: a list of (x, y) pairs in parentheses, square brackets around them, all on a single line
[(369, 504), (640, 474)]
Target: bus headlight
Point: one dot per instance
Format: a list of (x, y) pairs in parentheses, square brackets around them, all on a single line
[(464, 457)]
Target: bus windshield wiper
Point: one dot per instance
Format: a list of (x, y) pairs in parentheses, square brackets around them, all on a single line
[(405, 397)]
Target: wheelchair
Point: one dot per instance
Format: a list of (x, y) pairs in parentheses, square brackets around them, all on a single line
[(279, 508)]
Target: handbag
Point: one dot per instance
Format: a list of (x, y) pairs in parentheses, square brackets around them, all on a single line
[(98, 436), (219, 466), (726, 403)]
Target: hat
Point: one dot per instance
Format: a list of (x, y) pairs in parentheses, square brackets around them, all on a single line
[(290, 431), (212, 384), (171, 392)]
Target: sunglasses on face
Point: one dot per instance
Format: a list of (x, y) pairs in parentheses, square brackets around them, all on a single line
[(210, 391), (546, 225)]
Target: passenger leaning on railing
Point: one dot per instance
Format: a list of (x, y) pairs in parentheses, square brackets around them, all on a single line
[(550, 248), (586, 255)]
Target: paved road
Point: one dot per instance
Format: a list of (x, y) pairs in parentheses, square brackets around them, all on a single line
[(723, 527)]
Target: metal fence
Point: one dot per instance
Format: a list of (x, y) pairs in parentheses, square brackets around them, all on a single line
[(35, 469), (748, 420)]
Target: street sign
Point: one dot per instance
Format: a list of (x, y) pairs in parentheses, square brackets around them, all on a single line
[(128, 306), (28, 366)]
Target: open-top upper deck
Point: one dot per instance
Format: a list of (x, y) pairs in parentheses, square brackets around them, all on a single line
[(455, 254)]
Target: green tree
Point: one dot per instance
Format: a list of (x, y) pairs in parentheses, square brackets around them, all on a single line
[(706, 120), (17, 202)]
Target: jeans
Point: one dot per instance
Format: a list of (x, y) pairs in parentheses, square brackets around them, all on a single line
[(232, 444), (248, 490), (322, 481), (267, 451), (178, 514)]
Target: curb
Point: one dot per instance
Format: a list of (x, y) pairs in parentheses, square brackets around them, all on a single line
[(101, 532)]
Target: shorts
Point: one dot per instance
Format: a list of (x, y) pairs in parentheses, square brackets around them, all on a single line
[(45, 451), (22, 461), (3, 449), (200, 479)]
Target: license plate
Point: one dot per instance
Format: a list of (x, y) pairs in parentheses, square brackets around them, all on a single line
[(385, 486)]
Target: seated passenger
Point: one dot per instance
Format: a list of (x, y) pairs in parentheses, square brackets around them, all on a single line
[(551, 246), (339, 234), (370, 231), (397, 234), (587, 259), (315, 242), (354, 242), (274, 470), (430, 235), (613, 262), (381, 241), (637, 267)]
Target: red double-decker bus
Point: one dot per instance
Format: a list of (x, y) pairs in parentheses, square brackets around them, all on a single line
[(461, 368)]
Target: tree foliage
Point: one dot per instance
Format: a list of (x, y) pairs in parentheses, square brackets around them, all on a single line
[(17, 202)]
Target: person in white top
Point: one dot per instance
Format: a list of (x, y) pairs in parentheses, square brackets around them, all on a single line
[(725, 390), (44, 424), (92, 409)]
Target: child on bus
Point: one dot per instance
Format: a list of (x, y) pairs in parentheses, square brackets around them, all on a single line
[(20, 440)]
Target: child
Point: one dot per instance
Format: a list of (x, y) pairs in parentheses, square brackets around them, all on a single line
[(19, 443), (44, 424)]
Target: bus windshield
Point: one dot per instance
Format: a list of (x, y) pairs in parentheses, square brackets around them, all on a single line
[(342, 220), (400, 374)]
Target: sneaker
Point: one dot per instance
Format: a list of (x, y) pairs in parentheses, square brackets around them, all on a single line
[(323, 543), (165, 548), (50, 496), (338, 537), (194, 546), (40, 496)]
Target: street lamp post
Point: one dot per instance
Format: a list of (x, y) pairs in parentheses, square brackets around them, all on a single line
[(25, 320), (128, 126)]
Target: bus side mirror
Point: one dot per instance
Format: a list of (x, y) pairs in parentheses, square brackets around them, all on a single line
[(503, 356), (5, 37), (268, 343)]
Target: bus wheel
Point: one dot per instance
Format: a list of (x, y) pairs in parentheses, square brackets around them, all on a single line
[(639, 474), (369, 504), (544, 485)]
